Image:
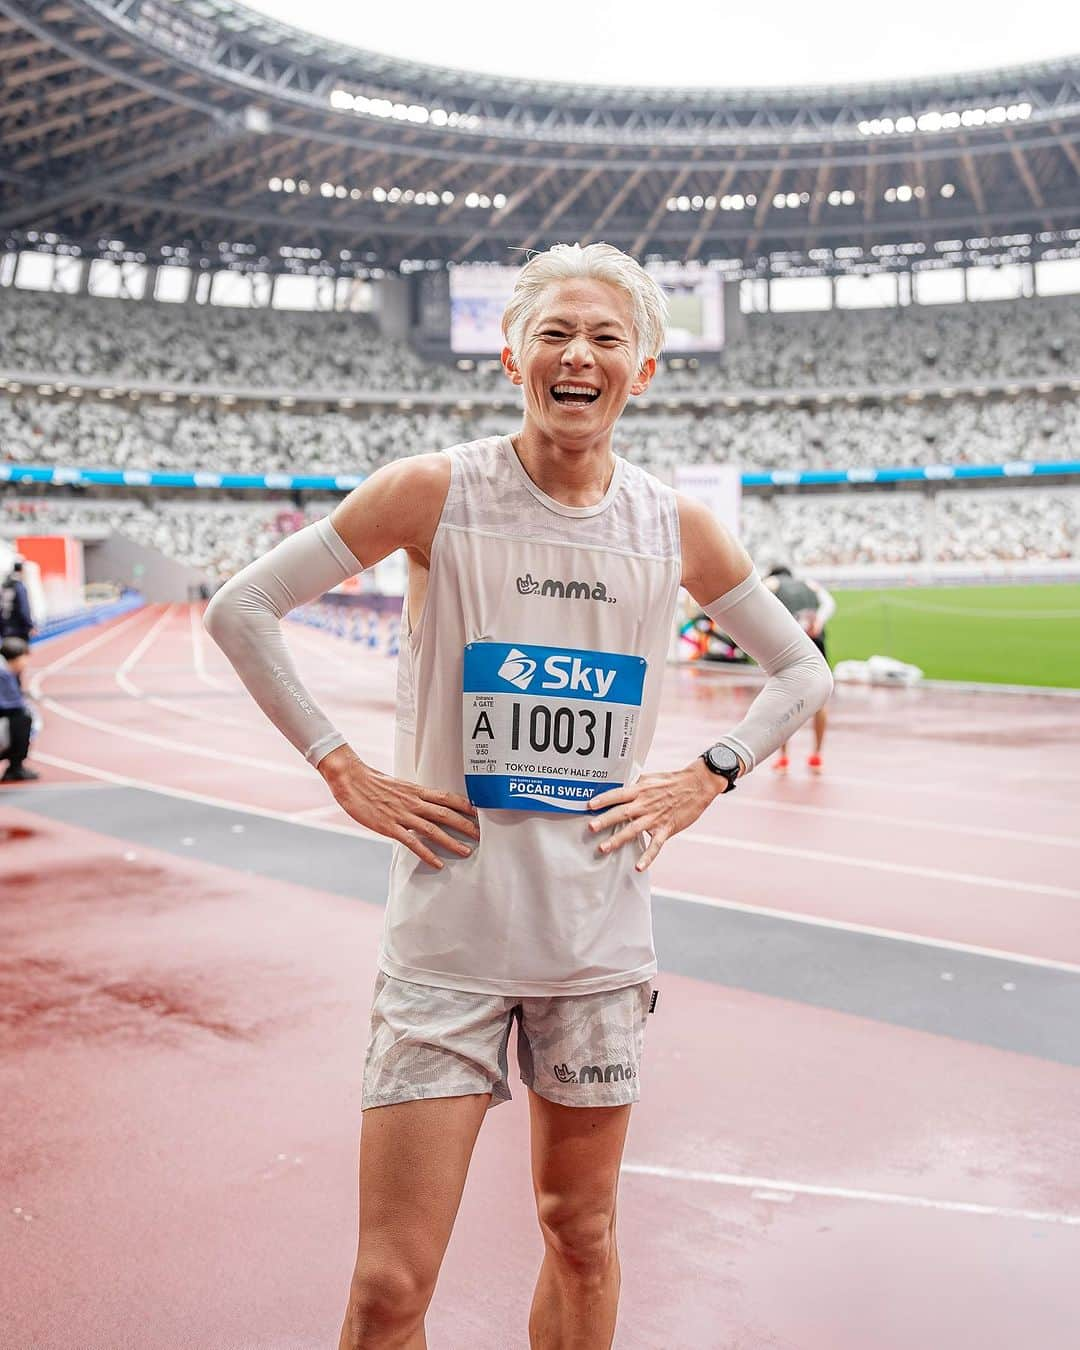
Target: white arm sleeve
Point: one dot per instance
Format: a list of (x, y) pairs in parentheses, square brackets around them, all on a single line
[(799, 680), (244, 619)]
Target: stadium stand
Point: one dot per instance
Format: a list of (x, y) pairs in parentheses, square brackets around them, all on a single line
[(69, 335), (93, 434), (1033, 525)]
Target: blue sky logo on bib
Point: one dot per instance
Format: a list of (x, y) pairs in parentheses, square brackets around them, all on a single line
[(518, 669)]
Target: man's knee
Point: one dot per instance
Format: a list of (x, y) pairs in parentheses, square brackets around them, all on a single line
[(385, 1296), (578, 1233)]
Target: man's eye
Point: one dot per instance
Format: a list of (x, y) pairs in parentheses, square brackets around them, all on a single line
[(552, 332), (607, 337)]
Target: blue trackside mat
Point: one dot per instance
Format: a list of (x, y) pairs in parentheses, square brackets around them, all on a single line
[(547, 728)]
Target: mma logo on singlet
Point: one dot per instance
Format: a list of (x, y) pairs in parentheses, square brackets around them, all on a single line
[(564, 590)]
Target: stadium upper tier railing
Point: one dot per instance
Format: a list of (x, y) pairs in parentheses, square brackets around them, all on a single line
[(235, 46), (69, 475)]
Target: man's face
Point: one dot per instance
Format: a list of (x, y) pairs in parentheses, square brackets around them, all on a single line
[(577, 363), (17, 664)]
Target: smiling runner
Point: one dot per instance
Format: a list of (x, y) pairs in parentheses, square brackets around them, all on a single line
[(543, 577)]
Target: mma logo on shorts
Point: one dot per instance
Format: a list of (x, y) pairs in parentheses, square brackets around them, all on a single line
[(594, 1073)]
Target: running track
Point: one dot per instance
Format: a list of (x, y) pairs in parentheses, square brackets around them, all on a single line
[(858, 1128)]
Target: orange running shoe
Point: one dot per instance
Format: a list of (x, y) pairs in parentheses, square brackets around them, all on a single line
[(780, 764), (814, 762)]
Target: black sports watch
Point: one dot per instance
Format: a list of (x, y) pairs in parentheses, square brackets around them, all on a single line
[(721, 760)]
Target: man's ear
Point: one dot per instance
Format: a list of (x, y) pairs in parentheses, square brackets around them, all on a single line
[(510, 366), (644, 376)]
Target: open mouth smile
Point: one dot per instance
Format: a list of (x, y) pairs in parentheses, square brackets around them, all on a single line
[(574, 395)]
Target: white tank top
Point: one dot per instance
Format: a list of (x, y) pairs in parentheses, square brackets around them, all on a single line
[(566, 612)]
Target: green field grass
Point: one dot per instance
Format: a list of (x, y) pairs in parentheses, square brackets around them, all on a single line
[(996, 634)]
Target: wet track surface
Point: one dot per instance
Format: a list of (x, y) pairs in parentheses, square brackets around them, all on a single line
[(857, 1129)]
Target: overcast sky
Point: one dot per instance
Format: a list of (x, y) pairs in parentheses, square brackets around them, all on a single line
[(704, 42)]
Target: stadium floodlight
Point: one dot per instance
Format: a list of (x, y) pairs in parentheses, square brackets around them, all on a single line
[(256, 119), (933, 120), (947, 189)]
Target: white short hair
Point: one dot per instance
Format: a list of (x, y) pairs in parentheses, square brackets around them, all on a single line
[(602, 262)]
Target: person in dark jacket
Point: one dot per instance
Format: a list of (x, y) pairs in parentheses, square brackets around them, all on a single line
[(16, 620), (14, 657)]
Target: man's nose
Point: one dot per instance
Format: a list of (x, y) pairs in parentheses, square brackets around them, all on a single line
[(577, 353)]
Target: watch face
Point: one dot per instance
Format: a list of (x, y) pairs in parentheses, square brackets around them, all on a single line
[(722, 759)]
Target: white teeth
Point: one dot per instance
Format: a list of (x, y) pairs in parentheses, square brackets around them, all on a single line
[(576, 389)]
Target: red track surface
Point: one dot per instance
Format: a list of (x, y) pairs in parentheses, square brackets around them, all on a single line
[(181, 1088)]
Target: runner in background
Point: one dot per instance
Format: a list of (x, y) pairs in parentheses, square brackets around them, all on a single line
[(813, 607)]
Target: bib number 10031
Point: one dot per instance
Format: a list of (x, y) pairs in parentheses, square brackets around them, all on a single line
[(565, 730)]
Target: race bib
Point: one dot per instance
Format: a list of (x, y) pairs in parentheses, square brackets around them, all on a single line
[(547, 728)]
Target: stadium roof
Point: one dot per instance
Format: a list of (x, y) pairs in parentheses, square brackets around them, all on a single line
[(209, 134)]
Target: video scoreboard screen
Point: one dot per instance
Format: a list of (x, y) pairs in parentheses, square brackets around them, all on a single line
[(479, 294)]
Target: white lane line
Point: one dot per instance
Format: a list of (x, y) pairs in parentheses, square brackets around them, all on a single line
[(163, 742), (204, 799), (198, 648), (940, 789), (877, 818), (865, 929), (180, 709), (147, 738), (1043, 776), (354, 828), (846, 1193), (90, 645), (876, 865), (129, 661)]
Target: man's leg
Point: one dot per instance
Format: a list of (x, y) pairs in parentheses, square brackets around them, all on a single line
[(820, 722), (413, 1160), (20, 724), (576, 1155)]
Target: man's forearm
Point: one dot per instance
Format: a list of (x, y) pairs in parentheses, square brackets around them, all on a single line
[(244, 619), (799, 680)]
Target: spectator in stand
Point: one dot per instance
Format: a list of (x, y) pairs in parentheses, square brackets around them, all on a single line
[(813, 607), (16, 620), (15, 719)]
